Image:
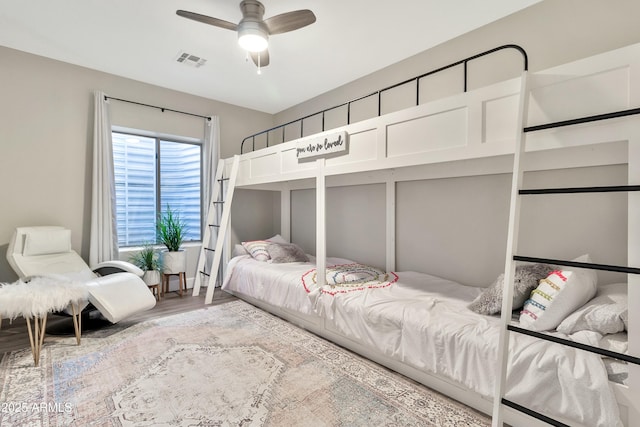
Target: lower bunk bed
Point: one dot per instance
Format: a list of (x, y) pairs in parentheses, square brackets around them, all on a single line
[(422, 326)]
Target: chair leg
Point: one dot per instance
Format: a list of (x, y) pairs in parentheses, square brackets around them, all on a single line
[(76, 322), (43, 326), (31, 341), (36, 336)]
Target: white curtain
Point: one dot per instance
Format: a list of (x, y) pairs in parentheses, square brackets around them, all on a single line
[(104, 237), (211, 154)]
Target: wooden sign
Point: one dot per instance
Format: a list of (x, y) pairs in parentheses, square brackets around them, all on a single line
[(322, 145)]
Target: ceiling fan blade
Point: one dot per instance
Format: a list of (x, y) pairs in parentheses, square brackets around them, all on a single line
[(207, 20), (290, 21), (264, 58)]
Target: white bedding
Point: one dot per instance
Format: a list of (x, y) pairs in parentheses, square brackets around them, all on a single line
[(423, 321)]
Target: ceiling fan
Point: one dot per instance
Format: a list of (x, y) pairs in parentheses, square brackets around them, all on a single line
[(253, 30)]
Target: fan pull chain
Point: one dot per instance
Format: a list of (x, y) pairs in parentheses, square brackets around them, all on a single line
[(259, 71)]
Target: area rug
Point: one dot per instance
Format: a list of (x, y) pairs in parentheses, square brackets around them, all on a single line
[(225, 365)]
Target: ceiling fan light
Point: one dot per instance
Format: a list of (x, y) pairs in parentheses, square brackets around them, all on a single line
[(252, 39)]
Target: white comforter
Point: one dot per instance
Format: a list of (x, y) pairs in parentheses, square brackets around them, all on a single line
[(423, 321)]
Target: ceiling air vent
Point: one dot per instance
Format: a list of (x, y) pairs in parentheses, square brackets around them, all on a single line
[(189, 59)]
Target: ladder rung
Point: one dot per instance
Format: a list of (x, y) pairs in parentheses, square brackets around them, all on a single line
[(575, 344), (604, 189), (206, 274), (604, 267), (214, 225), (223, 179), (209, 249), (588, 119), (533, 413), (218, 202)]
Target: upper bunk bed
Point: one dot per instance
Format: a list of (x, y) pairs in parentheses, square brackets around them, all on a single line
[(475, 124), (576, 115)]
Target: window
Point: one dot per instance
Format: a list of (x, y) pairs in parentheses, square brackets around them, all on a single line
[(151, 173)]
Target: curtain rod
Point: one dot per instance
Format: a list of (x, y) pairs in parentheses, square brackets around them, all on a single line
[(163, 109)]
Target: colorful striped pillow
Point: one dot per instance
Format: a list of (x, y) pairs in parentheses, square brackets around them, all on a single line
[(557, 296), (257, 249)]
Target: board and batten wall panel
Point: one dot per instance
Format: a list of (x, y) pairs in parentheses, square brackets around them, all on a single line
[(456, 227), (255, 215), (355, 222)]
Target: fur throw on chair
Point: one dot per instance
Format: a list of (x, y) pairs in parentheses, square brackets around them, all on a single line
[(39, 296)]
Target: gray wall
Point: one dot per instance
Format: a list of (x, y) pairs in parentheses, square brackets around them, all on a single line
[(355, 222), (255, 214), (46, 128)]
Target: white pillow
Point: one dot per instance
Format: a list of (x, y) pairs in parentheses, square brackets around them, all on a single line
[(43, 242), (557, 296), (604, 314)]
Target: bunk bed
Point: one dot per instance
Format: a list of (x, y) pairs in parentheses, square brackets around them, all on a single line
[(501, 128)]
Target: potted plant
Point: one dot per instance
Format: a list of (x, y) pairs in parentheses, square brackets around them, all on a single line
[(148, 260), (171, 233)]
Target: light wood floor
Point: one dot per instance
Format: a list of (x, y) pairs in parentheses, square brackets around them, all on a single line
[(14, 336)]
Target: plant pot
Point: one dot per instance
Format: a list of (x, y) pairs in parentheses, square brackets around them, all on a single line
[(174, 262), (151, 277)]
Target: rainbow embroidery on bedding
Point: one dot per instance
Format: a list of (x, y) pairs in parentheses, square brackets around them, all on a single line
[(343, 278)]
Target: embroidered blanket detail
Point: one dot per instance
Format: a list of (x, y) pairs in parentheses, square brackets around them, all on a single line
[(345, 278)]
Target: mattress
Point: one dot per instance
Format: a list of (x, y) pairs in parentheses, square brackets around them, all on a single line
[(423, 321)]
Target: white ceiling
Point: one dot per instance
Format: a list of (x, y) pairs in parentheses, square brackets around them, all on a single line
[(141, 39)]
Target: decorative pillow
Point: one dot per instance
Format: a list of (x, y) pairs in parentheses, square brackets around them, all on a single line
[(525, 280), (603, 314), (43, 242), (258, 248), (287, 252), (557, 296)]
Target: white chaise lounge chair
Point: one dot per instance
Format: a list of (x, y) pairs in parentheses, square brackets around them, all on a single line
[(115, 287)]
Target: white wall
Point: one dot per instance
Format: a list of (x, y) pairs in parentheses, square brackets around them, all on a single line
[(46, 128)]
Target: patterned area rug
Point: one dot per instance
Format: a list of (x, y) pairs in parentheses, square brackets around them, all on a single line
[(226, 365)]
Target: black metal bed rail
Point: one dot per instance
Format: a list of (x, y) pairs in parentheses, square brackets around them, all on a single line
[(379, 93)]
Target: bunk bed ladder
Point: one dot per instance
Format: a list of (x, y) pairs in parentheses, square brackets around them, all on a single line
[(216, 227), (512, 244), (512, 258)]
